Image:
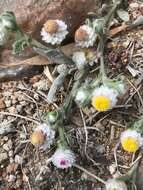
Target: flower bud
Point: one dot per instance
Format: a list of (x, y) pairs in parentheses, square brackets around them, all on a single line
[(82, 97), (52, 117), (79, 59)]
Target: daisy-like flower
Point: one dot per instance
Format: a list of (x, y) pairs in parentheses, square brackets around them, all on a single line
[(114, 184), (104, 98), (54, 31), (79, 59), (131, 140), (63, 158), (43, 136), (85, 36)]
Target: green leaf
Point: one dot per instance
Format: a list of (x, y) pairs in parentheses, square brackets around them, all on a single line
[(21, 44)]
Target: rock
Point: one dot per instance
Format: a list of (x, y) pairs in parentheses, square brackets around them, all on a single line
[(5, 147), (10, 153), (100, 149), (18, 159), (31, 15), (8, 103), (11, 168), (8, 146), (12, 109), (11, 178), (7, 93), (19, 108), (3, 157), (2, 104), (5, 128), (41, 85)]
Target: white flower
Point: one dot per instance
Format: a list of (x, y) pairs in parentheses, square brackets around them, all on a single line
[(63, 158), (54, 31), (79, 59), (114, 184), (104, 98), (43, 136), (85, 36), (131, 140)]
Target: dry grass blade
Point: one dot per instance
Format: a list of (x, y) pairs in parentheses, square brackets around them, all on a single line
[(36, 60)]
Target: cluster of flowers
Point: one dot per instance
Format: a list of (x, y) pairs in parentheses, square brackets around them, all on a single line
[(103, 94), (43, 137), (55, 31)]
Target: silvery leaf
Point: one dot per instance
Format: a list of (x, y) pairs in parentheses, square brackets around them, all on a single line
[(123, 15)]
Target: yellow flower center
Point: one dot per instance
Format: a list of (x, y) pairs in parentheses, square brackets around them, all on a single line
[(51, 26), (81, 35), (130, 144), (37, 138), (101, 103)]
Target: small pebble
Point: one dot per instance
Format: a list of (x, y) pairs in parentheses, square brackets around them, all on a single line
[(18, 159), (2, 104), (12, 109), (3, 157), (8, 103), (19, 108), (11, 178), (10, 153)]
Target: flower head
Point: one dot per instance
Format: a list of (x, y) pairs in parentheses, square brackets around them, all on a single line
[(85, 36), (104, 98), (63, 158), (114, 184), (131, 140), (54, 31), (79, 59), (43, 136)]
